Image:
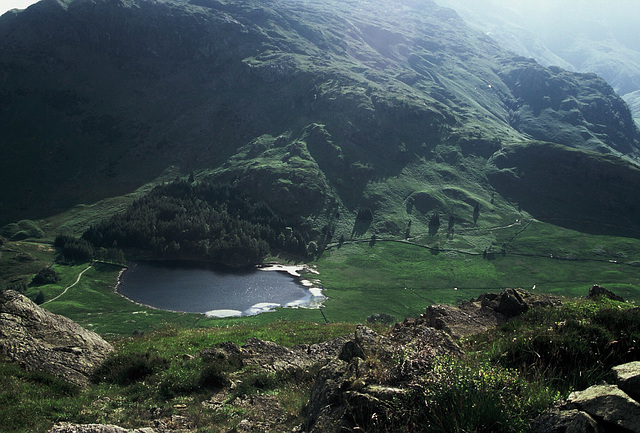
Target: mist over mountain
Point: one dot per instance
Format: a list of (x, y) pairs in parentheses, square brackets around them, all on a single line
[(8, 5), (599, 37), (321, 108)]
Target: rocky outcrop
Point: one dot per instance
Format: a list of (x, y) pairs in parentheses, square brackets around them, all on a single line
[(596, 292), (628, 378), (484, 313), (600, 408), (373, 372), (355, 389), (274, 358), (42, 341), (358, 374)]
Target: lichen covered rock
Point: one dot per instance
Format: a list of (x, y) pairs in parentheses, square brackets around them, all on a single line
[(39, 340)]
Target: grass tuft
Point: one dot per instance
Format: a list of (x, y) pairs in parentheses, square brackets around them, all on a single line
[(573, 347), (470, 394), (127, 368)]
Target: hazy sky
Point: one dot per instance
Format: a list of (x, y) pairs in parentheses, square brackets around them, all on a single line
[(554, 20), (6, 5)]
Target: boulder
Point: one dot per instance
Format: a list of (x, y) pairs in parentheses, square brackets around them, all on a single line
[(39, 340), (508, 303), (226, 352), (598, 409), (327, 409), (582, 422), (565, 421), (609, 404), (628, 378), (272, 357), (458, 322), (596, 292)]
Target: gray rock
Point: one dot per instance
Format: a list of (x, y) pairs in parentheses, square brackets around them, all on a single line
[(511, 304), (628, 378), (42, 341), (484, 313), (565, 421), (326, 408), (508, 303), (610, 404), (272, 357), (596, 292), (459, 322), (584, 423), (360, 389)]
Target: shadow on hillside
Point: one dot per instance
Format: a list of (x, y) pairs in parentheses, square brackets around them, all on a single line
[(360, 227)]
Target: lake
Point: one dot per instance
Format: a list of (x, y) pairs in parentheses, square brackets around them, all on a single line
[(185, 288)]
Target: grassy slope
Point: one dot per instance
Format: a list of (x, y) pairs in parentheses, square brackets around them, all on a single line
[(173, 384), (401, 279), (392, 276), (35, 401)]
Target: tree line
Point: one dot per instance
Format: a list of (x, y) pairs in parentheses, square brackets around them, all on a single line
[(204, 221)]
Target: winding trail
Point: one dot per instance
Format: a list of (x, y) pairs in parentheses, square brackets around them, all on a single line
[(65, 290)]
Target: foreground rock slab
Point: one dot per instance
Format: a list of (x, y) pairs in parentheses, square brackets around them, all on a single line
[(39, 340), (599, 408), (628, 378), (609, 404)]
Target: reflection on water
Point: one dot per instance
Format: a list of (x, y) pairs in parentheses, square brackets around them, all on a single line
[(178, 287)]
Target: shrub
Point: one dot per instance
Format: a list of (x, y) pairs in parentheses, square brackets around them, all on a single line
[(255, 382), (39, 298), (575, 346), (127, 368), (45, 276), (179, 380), (463, 395), (9, 230), (74, 249), (383, 318), (18, 286), (213, 376), (209, 373)]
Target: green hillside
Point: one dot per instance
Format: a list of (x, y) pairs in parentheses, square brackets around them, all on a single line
[(317, 108)]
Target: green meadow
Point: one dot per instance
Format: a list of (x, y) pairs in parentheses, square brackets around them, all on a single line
[(360, 277)]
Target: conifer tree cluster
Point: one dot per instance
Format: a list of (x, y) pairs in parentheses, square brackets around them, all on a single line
[(204, 221), (73, 249)]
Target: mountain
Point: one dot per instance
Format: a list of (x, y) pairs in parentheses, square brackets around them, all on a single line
[(633, 100), (601, 38), (320, 108)]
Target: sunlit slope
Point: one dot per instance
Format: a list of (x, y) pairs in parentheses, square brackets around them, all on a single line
[(321, 108)]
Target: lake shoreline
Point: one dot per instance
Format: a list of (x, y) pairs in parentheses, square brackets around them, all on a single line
[(313, 300)]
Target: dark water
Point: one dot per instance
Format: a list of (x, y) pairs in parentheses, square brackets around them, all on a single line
[(196, 290)]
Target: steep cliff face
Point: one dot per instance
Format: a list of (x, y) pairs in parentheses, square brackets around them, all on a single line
[(334, 101)]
